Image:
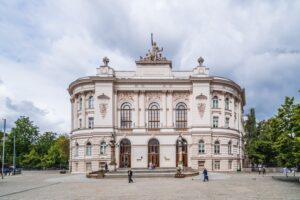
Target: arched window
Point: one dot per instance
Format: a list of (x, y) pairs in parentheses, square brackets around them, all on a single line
[(201, 147), (76, 149), (88, 149), (153, 116), (229, 148), (215, 102), (126, 115), (91, 102), (226, 104), (217, 147), (80, 104), (181, 115), (103, 148)]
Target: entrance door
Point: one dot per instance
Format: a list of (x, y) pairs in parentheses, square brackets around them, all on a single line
[(153, 152), (184, 153), (125, 153)]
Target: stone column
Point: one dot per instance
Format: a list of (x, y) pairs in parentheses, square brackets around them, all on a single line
[(164, 109), (115, 110), (136, 110), (83, 110), (142, 109)]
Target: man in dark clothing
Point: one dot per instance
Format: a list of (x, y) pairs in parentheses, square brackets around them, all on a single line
[(106, 167), (130, 176), (205, 173)]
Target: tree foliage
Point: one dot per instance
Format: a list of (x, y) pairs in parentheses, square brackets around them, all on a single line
[(276, 141), (35, 150)]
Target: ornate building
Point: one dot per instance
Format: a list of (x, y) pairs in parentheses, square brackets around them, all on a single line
[(156, 115)]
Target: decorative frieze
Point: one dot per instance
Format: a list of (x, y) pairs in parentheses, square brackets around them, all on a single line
[(153, 96), (125, 96), (181, 96)]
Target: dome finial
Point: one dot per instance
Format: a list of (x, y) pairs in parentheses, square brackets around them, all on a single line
[(200, 61)]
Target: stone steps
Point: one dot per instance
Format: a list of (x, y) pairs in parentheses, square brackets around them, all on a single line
[(145, 173)]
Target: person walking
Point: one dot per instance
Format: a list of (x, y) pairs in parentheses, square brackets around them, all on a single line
[(263, 170), (130, 176), (106, 167), (205, 174)]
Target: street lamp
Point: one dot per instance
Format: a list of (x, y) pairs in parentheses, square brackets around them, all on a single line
[(3, 151)]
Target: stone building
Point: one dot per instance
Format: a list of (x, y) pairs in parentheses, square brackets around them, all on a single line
[(156, 115)]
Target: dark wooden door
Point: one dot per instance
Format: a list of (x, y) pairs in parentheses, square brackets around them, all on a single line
[(125, 154), (153, 152)]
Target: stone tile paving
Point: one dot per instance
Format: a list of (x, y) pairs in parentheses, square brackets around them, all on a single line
[(51, 185)]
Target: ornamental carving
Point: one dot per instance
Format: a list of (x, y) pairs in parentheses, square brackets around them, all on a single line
[(153, 96), (181, 96), (201, 109), (125, 96), (201, 104), (103, 109)]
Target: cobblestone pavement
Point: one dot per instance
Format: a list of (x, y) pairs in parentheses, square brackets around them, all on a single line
[(52, 185)]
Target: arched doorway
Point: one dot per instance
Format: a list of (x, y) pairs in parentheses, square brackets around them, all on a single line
[(153, 152), (184, 153), (125, 153)]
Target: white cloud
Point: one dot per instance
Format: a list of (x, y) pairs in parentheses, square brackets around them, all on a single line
[(45, 45)]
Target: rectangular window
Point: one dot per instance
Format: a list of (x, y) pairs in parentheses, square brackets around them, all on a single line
[(215, 122), (230, 164), (76, 167), (80, 123), (88, 167), (217, 164), (91, 122), (227, 122)]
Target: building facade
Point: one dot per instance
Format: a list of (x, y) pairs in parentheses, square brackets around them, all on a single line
[(157, 116)]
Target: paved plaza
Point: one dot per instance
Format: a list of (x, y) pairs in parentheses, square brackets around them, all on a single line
[(52, 185)]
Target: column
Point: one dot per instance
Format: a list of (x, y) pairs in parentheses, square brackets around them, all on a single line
[(115, 110), (136, 110), (142, 109), (164, 109), (83, 110)]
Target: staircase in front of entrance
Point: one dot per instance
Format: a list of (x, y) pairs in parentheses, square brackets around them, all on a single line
[(147, 173)]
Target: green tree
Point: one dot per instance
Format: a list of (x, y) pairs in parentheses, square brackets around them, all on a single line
[(58, 154), (45, 141), (26, 135), (287, 134), (32, 159)]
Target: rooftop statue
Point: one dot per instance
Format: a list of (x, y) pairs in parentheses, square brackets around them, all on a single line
[(154, 54)]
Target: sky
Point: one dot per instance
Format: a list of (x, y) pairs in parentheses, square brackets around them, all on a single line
[(45, 45)]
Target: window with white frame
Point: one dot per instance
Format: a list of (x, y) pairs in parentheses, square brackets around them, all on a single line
[(229, 148), (76, 149), (215, 102), (91, 122), (80, 123), (80, 104), (229, 164), (181, 115), (153, 116), (226, 104), (91, 102), (126, 115), (103, 148), (215, 121), (201, 147), (227, 122), (216, 164), (88, 149), (217, 147)]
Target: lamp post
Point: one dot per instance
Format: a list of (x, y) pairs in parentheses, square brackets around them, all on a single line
[(3, 151), (14, 156), (113, 151)]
